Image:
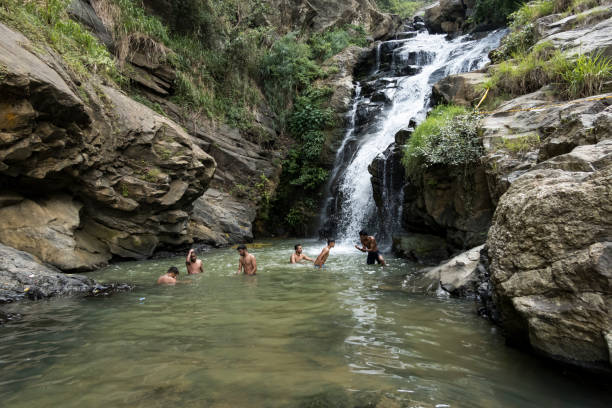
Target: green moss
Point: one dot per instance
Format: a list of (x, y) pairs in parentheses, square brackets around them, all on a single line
[(520, 144)]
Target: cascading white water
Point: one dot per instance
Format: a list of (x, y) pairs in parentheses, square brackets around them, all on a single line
[(438, 58)]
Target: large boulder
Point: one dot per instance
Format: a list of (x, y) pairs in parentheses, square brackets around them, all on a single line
[(461, 89), (445, 16), (23, 277), (104, 175), (550, 250), (459, 275)]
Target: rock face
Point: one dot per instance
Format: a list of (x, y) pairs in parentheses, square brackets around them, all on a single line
[(23, 277), (422, 248), (453, 203), (515, 142), (461, 89), (550, 249), (445, 16), (103, 175), (318, 15)]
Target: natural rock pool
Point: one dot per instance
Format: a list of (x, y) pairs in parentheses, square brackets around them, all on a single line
[(293, 336)]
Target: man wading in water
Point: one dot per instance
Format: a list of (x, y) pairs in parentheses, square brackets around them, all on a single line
[(371, 247), (194, 265), (320, 262), (247, 262), (298, 256)]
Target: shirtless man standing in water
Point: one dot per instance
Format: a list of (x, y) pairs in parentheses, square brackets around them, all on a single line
[(324, 254), (371, 247), (247, 262), (194, 265), (298, 256)]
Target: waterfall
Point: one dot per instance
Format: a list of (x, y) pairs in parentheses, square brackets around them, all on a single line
[(398, 90)]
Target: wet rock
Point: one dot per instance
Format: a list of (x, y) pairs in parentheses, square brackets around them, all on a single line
[(405, 35), (551, 258), (450, 202), (408, 70), (422, 248), (8, 317), (366, 112), (23, 277), (459, 275)]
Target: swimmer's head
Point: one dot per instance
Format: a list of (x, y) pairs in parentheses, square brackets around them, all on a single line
[(173, 270), (363, 233), (242, 249), (298, 248), (331, 243)]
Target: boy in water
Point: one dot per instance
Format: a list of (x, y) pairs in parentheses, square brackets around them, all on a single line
[(371, 247), (169, 278), (298, 256), (320, 262), (247, 262)]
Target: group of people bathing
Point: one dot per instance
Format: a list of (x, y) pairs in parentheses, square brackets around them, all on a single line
[(247, 264)]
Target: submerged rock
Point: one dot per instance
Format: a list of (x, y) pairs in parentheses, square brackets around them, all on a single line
[(550, 250)]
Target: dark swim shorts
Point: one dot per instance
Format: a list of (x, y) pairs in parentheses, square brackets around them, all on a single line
[(373, 257)]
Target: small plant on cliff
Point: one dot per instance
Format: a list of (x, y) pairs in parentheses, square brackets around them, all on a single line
[(586, 75), (450, 136), (331, 42), (403, 8)]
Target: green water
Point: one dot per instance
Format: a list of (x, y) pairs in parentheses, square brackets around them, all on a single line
[(292, 336)]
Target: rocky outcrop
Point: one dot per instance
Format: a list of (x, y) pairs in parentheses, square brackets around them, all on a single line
[(460, 89), (459, 276), (550, 249), (517, 138), (445, 16), (319, 15), (454, 203), (23, 277), (103, 175)]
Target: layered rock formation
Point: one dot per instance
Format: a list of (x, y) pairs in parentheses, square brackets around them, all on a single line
[(86, 172), (551, 257)]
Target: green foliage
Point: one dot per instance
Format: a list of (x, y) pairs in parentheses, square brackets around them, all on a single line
[(331, 42), (494, 11), (403, 8), (47, 22), (287, 69), (581, 76), (586, 75), (449, 136)]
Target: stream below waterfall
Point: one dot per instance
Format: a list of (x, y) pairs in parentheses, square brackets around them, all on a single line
[(293, 336)]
